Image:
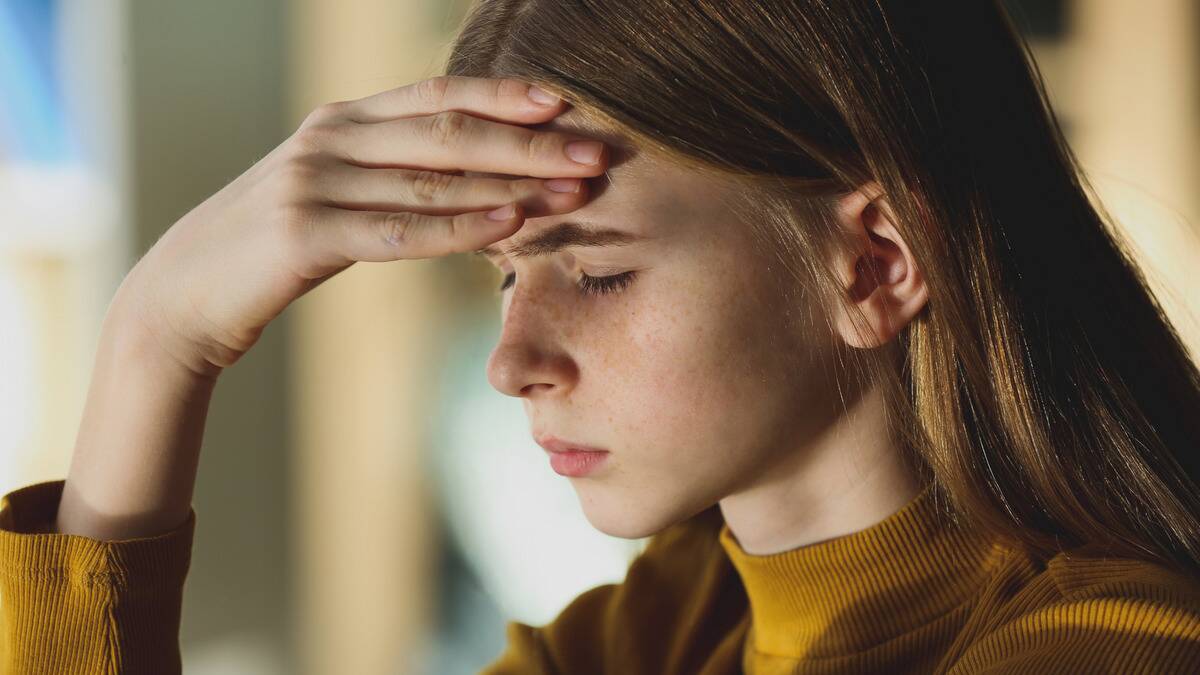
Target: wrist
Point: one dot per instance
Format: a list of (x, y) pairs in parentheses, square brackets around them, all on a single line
[(129, 335)]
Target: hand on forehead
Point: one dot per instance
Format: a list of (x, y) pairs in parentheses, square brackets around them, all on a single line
[(621, 150)]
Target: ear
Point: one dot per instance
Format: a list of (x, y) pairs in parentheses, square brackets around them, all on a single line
[(878, 274)]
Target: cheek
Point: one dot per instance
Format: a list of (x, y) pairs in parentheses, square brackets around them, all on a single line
[(684, 365)]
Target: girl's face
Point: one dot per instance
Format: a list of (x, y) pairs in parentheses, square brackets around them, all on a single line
[(687, 365)]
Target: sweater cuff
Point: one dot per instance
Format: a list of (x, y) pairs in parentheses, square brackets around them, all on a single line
[(30, 549)]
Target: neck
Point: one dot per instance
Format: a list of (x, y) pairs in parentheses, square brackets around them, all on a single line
[(847, 478)]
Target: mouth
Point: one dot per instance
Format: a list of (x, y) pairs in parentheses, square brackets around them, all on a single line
[(572, 459)]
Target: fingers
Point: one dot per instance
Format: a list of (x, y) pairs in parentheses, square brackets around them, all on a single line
[(438, 193), (454, 140), (382, 178), (452, 124), (340, 236), (499, 99)]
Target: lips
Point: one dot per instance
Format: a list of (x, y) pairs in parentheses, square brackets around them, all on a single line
[(553, 444), (571, 459)]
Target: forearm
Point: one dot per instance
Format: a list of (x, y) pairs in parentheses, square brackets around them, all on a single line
[(134, 466)]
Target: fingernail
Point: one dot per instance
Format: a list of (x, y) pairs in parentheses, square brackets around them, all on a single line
[(563, 184), (541, 96), (584, 152), (503, 213)]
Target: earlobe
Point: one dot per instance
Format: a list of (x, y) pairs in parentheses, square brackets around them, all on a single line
[(880, 278)]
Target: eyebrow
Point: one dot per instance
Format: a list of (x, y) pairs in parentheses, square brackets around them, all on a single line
[(561, 236)]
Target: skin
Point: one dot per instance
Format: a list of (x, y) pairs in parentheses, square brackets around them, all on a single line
[(371, 179), (691, 377)]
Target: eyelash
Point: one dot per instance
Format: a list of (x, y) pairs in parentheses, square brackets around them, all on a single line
[(613, 283)]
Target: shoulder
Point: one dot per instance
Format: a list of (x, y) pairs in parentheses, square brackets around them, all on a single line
[(680, 600), (1082, 611)]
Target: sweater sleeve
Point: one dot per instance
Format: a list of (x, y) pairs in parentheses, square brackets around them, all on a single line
[(71, 604), (680, 609)]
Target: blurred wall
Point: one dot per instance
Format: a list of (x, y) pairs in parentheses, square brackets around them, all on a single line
[(64, 235), (1135, 93), (1124, 78)]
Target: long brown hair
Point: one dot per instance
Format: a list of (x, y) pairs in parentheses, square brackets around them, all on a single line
[(1042, 388)]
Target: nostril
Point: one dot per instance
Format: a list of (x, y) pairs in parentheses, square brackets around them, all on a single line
[(532, 389)]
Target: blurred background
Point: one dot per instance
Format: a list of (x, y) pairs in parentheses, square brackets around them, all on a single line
[(367, 503)]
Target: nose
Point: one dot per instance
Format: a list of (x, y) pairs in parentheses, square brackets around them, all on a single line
[(529, 357)]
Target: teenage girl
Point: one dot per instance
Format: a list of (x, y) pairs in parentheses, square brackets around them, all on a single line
[(811, 291)]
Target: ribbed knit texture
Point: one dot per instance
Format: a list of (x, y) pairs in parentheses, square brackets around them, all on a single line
[(904, 579), (71, 604), (914, 593)]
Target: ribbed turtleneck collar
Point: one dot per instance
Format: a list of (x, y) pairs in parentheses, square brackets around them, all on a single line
[(846, 594)]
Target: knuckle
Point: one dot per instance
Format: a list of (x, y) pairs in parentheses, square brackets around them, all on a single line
[(456, 227), (324, 113), (432, 91), (447, 127), (315, 137), (537, 146), (297, 178), (521, 189), (507, 89), (398, 227), (429, 187)]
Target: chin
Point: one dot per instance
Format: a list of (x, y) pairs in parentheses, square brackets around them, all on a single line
[(627, 519)]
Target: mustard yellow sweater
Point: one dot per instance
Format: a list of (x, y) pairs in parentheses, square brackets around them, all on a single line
[(914, 593)]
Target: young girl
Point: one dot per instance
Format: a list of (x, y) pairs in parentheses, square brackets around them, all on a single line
[(812, 292)]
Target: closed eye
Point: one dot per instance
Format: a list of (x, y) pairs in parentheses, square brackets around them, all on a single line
[(589, 285)]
